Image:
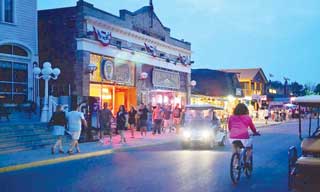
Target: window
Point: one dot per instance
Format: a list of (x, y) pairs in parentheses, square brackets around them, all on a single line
[(13, 50), (13, 81), (7, 10)]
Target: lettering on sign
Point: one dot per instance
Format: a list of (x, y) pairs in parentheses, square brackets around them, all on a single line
[(123, 73), (165, 79)]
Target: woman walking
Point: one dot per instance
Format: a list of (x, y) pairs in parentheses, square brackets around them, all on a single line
[(132, 120), (143, 119), (58, 121), (121, 123)]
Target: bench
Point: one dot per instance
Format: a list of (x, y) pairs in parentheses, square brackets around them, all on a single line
[(4, 113), (311, 146)]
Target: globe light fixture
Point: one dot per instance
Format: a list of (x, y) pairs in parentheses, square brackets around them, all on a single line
[(46, 73)]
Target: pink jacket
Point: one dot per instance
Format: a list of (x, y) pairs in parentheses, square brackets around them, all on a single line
[(238, 126)]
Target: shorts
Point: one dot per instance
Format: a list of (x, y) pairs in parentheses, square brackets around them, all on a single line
[(105, 129), (143, 123), (176, 120), (245, 142), (58, 130), (166, 123), (266, 118), (75, 135)]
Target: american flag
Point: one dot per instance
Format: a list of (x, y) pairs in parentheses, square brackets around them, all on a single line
[(150, 49)]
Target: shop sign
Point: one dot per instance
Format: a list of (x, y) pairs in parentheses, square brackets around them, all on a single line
[(107, 69), (165, 79), (119, 73), (238, 92), (123, 73)]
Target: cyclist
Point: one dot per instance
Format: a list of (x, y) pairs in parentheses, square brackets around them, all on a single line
[(238, 127)]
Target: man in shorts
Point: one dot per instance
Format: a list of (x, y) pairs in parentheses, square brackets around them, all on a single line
[(177, 117), (75, 120), (167, 119), (105, 116)]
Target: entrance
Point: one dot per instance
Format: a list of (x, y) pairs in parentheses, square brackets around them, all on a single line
[(114, 95)]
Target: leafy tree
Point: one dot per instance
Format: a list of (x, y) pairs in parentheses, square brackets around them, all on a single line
[(297, 89), (317, 89)]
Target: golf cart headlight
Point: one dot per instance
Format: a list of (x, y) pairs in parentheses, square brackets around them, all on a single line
[(186, 134), (205, 134)]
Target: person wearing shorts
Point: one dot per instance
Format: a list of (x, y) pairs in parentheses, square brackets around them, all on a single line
[(75, 120), (238, 127), (166, 119), (177, 117)]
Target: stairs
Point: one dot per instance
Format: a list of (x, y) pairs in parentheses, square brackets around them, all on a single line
[(16, 136)]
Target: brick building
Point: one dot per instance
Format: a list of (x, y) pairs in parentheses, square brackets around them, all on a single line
[(122, 59)]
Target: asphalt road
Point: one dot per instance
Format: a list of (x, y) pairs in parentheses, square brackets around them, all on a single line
[(164, 168)]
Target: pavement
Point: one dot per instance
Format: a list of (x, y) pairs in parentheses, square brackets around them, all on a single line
[(42, 156), (165, 168)]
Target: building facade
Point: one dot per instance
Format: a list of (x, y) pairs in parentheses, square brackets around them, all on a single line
[(123, 59), (18, 50), (253, 81)]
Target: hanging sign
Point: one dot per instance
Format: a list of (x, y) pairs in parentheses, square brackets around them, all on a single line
[(102, 36), (165, 79), (107, 69)]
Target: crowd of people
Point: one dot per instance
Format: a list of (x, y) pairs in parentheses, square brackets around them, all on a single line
[(164, 118)]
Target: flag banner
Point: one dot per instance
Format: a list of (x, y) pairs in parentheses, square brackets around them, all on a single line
[(184, 60), (150, 49), (103, 37)]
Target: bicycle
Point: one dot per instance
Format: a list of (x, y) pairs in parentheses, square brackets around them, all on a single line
[(239, 161)]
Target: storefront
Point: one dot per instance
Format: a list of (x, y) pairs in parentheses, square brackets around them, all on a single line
[(113, 82), (163, 86)]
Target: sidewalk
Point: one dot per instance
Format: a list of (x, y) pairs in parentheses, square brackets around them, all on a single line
[(43, 156)]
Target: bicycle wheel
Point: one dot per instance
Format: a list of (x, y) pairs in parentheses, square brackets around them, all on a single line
[(235, 168), (248, 167)]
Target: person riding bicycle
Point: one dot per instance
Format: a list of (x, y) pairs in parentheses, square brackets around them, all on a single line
[(238, 127)]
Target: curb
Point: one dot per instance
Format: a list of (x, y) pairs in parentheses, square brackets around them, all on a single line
[(74, 157)]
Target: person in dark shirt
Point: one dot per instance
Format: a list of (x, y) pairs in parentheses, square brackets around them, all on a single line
[(167, 119), (121, 122), (143, 114), (132, 120), (58, 121)]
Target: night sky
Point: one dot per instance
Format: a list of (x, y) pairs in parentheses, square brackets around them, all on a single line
[(281, 37)]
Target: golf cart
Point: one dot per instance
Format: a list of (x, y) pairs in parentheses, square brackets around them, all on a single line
[(202, 127), (304, 171)]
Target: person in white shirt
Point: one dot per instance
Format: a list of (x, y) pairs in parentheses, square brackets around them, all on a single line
[(75, 120)]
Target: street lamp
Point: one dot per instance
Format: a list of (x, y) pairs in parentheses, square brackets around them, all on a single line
[(46, 73)]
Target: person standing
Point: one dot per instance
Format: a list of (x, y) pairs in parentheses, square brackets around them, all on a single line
[(75, 120), (121, 123), (58, 121), (266, 115), (132, 120), (105, 117), (167, 119), (177, 117), (157, 116), (143, 119)]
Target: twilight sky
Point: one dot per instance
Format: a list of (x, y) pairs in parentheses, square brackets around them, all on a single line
[(281, 37)]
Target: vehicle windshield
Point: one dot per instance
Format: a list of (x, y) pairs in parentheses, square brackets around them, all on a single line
[(198, 117)]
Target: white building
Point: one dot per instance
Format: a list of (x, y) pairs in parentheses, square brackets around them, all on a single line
[(18, 50)]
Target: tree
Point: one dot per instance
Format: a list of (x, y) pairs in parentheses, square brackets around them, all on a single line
[(297, 89), (317, 89)]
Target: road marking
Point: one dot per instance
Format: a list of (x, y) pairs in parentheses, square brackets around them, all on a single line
[(75, 157)]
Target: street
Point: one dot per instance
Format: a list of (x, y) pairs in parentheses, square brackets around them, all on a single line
[(165, 168)]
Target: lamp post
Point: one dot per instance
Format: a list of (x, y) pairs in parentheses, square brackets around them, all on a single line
[(143, 78), (46, 73)]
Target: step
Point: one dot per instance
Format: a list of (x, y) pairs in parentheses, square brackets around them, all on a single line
[(27, 144), (21, 148), (23, 133), (6, 128), (26, 138)]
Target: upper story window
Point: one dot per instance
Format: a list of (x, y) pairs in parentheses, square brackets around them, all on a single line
[(7, 11), (13, 50)]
